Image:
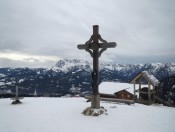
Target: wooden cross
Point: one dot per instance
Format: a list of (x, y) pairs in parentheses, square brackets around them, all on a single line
[(96, 49), (16, 98)]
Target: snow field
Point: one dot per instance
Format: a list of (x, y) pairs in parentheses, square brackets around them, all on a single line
[(64, 114)]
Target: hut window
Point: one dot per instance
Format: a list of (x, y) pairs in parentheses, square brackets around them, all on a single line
[(128, 96), (121, 95)]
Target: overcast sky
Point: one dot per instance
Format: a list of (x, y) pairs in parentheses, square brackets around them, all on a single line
[(37, 33)]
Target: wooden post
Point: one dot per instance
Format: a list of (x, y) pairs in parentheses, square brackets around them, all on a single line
[(16, 96), (139, 86), (134, 91), (154, 94), (149, 93)]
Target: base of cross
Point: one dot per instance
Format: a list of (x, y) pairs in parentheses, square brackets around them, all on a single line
[(16, 102), (94, 112), (95, 101)]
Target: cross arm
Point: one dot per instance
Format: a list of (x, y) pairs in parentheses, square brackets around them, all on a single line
[(95, 46), (108, 45), (82, 46)]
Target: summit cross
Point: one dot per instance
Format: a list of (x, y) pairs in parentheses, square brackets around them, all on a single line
[(96, 49)]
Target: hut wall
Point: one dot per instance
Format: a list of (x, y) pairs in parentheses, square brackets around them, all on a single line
[(124, 95)]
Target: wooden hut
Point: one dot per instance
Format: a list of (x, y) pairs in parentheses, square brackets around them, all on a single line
[(142, 78), (124, 94)]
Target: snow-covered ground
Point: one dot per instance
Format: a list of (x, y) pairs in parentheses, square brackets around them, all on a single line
[(64, 115)]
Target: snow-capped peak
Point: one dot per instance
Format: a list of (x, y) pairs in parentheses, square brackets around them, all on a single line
[(68, 65)]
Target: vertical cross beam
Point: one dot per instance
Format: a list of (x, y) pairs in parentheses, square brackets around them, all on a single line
[(95, 73), (95, 100)]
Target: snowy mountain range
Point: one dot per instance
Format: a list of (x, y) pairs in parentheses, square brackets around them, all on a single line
[(69, 74)]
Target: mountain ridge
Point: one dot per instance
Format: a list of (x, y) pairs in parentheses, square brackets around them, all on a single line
[(67, 73)]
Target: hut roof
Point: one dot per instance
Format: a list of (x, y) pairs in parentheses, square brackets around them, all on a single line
[(124, 90), (152, 79)]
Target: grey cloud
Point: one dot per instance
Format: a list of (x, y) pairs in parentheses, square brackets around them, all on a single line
[(16, 63), (144, 59), (55, 27), (10, 45), (32, 59)]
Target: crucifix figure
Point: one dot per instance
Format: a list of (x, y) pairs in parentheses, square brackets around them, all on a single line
[(96, 49)]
